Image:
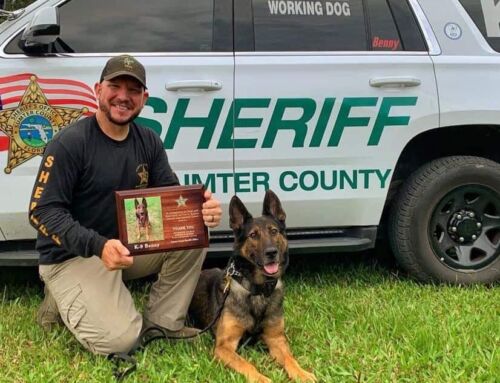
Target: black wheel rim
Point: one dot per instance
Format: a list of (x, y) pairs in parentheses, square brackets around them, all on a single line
[(465, 227)]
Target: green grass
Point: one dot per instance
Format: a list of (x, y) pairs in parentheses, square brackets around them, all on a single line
[(348, 320)]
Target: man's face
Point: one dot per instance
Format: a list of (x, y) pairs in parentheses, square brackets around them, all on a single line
[(121, 99)]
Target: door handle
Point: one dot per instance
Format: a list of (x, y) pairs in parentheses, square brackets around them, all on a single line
[(194, 85), (394, 82)]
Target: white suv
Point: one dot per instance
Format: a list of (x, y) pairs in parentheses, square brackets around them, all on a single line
[(368, 118)]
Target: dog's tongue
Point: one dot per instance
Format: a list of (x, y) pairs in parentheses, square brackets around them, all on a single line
[(271, 268)]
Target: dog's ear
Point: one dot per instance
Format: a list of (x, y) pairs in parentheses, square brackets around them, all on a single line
[(238, 214), (144, 202), (272, 207), (136, 202)]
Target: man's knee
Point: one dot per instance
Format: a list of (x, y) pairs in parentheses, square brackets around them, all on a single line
[(121, 342)]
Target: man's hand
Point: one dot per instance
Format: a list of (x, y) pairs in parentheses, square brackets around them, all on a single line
[(116, 256), (211, 211)]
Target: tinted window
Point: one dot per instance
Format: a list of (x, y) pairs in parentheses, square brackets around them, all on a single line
[(486, 16), (100, 26), (383, 31), (409, 31), (284, 25), (330, 25)]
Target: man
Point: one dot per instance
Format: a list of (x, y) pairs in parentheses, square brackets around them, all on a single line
[(82, 263)]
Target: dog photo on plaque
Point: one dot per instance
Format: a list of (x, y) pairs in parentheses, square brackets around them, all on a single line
[(144, 219), (161, 219)]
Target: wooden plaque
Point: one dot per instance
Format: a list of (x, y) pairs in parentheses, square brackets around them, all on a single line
[(161, 219)]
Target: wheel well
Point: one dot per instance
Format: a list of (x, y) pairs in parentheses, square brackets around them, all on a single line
[(468, 140), (471, 140)]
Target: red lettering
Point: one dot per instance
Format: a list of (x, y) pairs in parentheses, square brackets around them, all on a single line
[(392, 44)]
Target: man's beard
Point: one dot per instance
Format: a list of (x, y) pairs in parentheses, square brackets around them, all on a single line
[(104, 108)]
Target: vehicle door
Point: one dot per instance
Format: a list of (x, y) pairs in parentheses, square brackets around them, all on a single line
[(328, 93), (186, 49)]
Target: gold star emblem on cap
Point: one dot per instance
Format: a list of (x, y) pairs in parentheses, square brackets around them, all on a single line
[(32, 124), (181, 201)]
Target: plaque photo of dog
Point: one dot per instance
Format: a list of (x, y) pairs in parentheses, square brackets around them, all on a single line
[(144, 219)]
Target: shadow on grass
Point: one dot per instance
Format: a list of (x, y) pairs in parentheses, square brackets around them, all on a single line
[(303, 266), (22, 276)]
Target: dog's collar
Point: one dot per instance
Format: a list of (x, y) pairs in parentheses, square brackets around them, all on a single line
[(265, 289), (231, 270)]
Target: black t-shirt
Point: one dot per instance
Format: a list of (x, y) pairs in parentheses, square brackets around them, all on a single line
[(73, 203)]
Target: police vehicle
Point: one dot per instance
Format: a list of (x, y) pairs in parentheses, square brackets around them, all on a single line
[(366, 117)]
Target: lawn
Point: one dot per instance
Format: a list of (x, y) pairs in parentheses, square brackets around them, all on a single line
[(348, 319)]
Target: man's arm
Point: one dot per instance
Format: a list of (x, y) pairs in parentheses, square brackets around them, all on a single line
[(51, 199)]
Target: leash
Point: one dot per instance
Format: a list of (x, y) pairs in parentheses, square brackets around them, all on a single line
[(124, 363)]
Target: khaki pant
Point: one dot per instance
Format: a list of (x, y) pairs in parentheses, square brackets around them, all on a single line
[(98, 309)]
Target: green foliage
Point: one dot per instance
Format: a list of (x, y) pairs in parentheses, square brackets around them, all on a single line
[(347, 319), (11, 5)]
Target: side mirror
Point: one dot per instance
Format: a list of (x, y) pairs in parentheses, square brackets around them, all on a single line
[(43, 30)]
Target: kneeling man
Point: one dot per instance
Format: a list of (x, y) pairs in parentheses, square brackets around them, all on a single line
[(82, 262)]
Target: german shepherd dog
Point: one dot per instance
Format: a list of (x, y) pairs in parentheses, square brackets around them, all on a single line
[(254, 304), (142, 218)]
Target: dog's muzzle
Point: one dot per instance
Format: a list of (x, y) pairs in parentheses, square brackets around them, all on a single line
[(271, 265)]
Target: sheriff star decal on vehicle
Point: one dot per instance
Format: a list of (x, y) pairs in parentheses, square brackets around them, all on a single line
[(36, 118)]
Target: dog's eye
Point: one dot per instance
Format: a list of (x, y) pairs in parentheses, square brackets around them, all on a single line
[(253, 235), (274, 231)]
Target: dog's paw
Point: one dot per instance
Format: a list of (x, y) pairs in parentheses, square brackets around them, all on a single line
[(305, 376), (301, 375), (259, 379)]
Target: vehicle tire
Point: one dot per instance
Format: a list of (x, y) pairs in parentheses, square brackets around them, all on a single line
[(444, 225)]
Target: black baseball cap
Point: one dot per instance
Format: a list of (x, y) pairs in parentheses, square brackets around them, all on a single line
[(124, 65)]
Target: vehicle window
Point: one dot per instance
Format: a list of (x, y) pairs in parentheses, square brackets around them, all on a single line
[(334, 25), (96, 26), (284, 25), (486, 16), (407, 25), (383, 31)]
